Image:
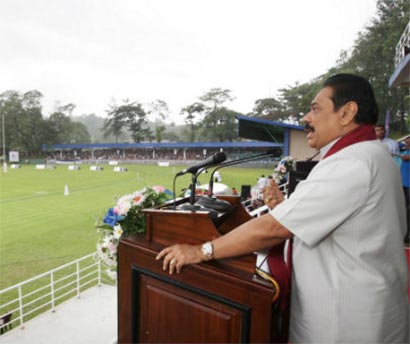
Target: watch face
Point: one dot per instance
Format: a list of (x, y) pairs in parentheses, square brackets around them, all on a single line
[(207, 249)]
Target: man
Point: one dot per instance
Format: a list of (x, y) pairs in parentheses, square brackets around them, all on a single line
[(392, 145), (405, 175), (347, 220)]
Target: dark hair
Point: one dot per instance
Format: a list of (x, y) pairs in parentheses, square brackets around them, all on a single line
[(380, 126), (349, 87)]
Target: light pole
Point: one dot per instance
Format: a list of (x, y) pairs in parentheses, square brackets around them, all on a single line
[(4, 145)]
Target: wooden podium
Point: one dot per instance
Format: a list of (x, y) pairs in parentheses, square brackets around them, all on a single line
[(213, 302)]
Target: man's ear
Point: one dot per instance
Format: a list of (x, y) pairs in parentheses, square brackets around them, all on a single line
[(348, 113)]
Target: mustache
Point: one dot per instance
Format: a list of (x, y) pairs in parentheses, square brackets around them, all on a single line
[(309, 128)]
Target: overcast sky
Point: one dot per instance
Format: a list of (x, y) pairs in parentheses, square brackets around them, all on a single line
[(90, 52)]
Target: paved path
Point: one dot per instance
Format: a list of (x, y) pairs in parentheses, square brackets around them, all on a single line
[(90, 319)]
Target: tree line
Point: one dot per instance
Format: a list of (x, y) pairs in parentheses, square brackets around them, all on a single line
[(209, 119)]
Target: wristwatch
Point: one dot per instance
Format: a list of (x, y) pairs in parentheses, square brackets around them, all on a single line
[(208, 250)]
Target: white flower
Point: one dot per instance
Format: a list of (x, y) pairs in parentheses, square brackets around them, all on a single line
[(123, 205), (117, 231), (107, 245), (106, 241)]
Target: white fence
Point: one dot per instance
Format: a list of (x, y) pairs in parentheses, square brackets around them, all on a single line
[(46, 291)]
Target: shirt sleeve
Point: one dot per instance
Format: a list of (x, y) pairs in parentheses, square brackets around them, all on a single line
[(333, 192)]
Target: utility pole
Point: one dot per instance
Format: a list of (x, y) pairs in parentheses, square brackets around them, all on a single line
[(4, 145)]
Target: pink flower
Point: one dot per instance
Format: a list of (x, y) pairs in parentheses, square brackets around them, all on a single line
[(138, 198), (158, 188)]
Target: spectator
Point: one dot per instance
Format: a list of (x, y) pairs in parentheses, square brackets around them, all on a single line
[(217, 177), (262, 182), (392, 145), (405, 175)]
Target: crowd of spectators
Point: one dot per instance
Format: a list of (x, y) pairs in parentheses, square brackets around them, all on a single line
[(130, 155)]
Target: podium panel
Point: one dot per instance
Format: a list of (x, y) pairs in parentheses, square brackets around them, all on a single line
[(213, 302), (173, 312)]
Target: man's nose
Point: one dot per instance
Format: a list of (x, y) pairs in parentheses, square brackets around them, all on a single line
[(305, 118)]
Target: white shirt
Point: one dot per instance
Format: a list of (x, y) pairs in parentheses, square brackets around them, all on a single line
[(218, 177), (262, 182), (349, 280)]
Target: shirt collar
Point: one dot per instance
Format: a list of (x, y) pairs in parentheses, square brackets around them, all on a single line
[(326, 148)]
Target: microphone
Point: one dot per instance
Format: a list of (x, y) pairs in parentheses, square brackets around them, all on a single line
[(211, 161), (221, 205), (268, 153)]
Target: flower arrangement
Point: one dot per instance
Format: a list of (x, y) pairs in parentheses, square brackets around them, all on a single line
[(281, 171), (124, 219)]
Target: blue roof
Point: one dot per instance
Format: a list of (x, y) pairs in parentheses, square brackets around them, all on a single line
[(269, 122), (171, 145)]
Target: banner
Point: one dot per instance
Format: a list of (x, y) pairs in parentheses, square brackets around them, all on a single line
[(14, 156)]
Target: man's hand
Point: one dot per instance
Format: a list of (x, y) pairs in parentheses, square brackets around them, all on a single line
[(176, 256), (272, 196)]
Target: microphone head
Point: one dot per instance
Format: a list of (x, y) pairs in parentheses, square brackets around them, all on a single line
[(219, 157)]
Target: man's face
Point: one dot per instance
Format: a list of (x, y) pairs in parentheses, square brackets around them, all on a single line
[(407, 142), (379, 132), (322, 121)]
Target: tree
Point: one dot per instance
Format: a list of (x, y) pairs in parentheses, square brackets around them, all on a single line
[(215, 97), (136, 120), (371, 56), (374, 50), (159, 112), (159, 131), (296, 99), (60, 125), (79, 133), (191, 113), (25, 127), (63, 129), (115, 123), (130, 116), (268, 108), (220, 125), (171, 136)]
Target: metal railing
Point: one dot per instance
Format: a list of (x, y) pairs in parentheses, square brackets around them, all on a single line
[(44, 292), (404, 43), (261, 210)]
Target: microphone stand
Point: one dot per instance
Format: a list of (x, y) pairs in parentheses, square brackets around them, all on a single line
[(191, 206), (193, 189), (233, 162), (211, 201)]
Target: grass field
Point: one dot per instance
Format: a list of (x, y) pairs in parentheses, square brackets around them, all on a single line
[(41, 228)]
